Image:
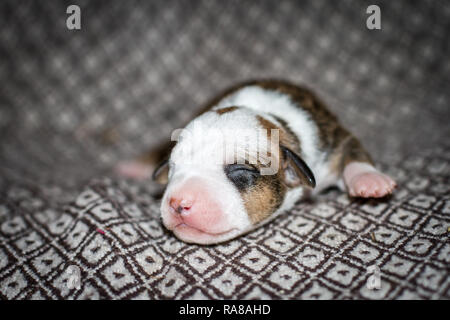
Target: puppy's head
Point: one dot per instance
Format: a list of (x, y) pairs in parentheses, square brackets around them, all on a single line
[(230, 171)]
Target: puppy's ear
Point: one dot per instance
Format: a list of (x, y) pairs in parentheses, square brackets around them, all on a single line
[(295, 171), (160, 156), (161, 172)]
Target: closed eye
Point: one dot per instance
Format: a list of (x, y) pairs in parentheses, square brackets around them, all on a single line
[(238, 167), (242, 175)]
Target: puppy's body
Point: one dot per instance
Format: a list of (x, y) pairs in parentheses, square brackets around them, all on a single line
[(212, 200)]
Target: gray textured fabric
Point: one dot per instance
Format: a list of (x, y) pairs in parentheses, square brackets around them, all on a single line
[(73, 103)]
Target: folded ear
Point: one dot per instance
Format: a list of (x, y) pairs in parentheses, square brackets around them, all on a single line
[(160, 157), (161, 172), (295, 171)]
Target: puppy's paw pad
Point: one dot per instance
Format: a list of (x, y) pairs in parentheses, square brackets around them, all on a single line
[(134, 170), (371, 185)]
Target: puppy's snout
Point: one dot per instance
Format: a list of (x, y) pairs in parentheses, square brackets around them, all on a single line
[(180, 205)]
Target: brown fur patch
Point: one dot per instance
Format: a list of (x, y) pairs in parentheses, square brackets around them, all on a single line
[(264, 198), (290, 139), (226, 110), (287, 137), (269, 126)]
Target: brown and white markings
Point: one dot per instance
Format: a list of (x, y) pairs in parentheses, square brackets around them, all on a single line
[(213, 195)]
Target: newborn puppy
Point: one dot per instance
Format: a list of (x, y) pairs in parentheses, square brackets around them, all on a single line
[(250, 155)]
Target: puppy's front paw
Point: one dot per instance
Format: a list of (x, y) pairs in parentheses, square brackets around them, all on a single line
[(363, 180), (371, 185)]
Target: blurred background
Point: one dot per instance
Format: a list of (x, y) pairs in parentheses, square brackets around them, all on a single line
[(74, 102)]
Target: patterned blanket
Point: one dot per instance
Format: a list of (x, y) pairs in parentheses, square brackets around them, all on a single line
[(74, 102)]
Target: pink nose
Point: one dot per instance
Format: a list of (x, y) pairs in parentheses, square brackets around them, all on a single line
[(180, 205), (194, 204)]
